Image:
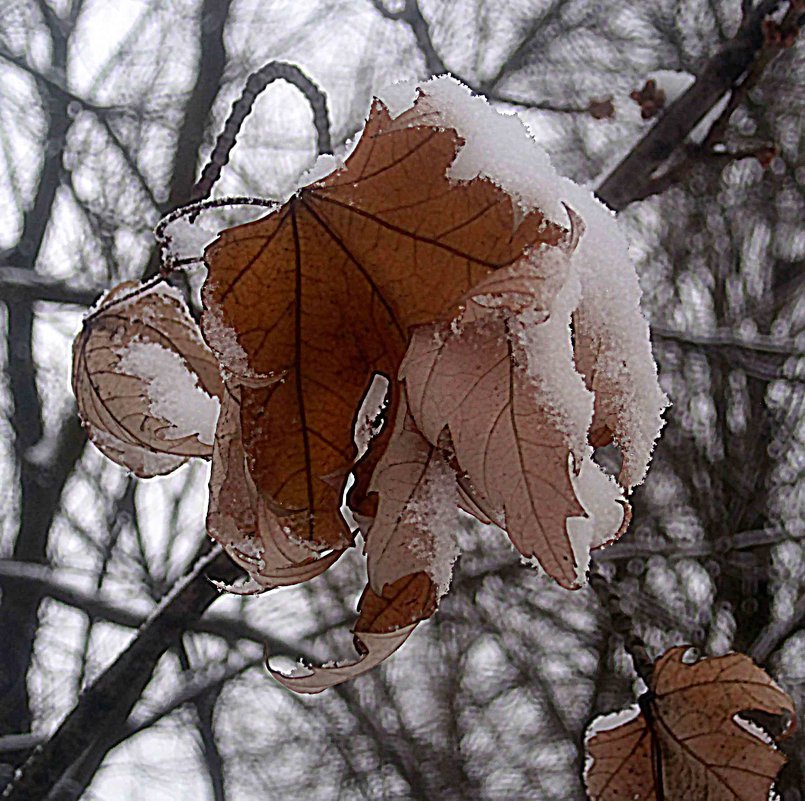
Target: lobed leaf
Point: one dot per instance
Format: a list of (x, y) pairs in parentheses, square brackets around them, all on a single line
[(516, 461), (688, 741), (352, 262)]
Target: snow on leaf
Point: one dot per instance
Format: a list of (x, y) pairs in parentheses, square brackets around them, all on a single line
[(322, 292), (611, 339), (691, 744), (414, 528), (515, 459), (147, 386), (428, 281)]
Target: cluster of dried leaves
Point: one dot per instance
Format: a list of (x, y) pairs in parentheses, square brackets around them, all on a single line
[(376, 334), (386, 267)]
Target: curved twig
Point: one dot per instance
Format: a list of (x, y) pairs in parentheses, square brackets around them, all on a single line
[(257, 83)]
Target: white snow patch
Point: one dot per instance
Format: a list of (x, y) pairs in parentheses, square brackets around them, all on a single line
[(611, 721), (434, 511), (675, 83), (497, 146), (173, 390), (752, 728), (601, 724), (325, 165), (224, 341), (550, 364), (600, 496), (369, 421), (610, 304)]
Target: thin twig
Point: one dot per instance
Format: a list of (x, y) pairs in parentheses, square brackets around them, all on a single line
[(777, 632), (411, 15), (257, 83), (623, 625)]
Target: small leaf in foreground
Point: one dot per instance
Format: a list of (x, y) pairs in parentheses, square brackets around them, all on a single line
[(690, 741)]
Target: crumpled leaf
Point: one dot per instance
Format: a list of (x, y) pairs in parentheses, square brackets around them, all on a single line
[(320, 294), (385, 622), (414, 528), (445, 221), (690, 744), (241, 520), (517, 462), (408, 565), (125, 341), (375, 648)]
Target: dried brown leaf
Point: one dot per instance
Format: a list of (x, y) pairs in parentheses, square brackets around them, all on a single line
[(375, 649), (120, 416), (240, 519), (321, 294), (386, 621), (690, 744), (515, 458), (411, 481)]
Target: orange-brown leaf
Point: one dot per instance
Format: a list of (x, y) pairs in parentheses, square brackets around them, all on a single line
[(693, 746), (240, 519), (408, 600), (321, 294)]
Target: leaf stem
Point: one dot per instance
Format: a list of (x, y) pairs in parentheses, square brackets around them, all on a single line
[(256, 84)]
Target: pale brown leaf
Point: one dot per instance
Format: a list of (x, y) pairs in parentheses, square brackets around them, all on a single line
[(112, 380), (385, 622), (416, 518), (375, 649), (515, 459)]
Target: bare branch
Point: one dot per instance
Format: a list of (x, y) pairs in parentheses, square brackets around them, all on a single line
[(106, 704), (204, 702), (777, 632), (721, 74), (18, 283), (623, 625), (101, 113), (47, 580), (411, 15)]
